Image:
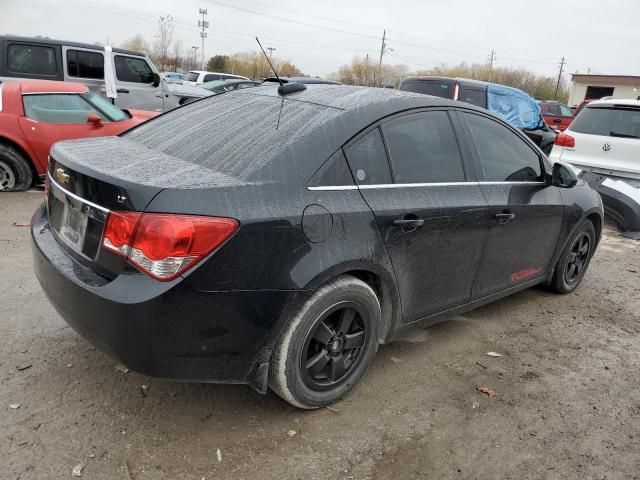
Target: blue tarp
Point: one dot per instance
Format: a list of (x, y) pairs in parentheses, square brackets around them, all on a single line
[(513, 105)]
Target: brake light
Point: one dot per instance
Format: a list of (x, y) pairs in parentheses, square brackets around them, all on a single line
[(162, 245), (565, 140)]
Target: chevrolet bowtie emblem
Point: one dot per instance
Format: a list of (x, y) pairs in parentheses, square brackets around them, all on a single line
[(62, 176)]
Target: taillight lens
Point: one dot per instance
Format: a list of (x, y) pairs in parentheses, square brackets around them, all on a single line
[(164, 246), (565, 140)]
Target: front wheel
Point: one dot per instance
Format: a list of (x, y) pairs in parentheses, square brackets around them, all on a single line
[(328, 346), (574, 260)]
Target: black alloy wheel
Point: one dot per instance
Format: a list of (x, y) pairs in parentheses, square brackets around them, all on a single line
[(332, 348), (578, 258)]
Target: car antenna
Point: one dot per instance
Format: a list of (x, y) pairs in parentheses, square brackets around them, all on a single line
[(284, 88)]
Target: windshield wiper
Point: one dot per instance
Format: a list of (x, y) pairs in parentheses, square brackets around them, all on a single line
[(622, 135)]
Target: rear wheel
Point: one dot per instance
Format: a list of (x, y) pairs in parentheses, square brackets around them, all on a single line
[(574, 261), (15, 172), (328, 346)]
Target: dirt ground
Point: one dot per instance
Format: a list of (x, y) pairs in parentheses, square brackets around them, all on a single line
[(567, 403)]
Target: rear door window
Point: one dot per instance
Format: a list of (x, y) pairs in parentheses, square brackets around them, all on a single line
[(134, 70), (81, 63), (31, 60), (553, 109), (474, 96), (59, 108), (192, 77), (368, 159), (210, 77), (608, 121), (504, 156), (423, 148)]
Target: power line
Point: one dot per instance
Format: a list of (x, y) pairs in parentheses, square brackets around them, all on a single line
[(247, 10)]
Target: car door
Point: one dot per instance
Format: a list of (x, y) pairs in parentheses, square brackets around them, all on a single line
[(431, 213), (526, 211), (135, 85), (50, 118)]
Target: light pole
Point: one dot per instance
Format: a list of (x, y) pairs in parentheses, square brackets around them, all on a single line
[(195, 55)]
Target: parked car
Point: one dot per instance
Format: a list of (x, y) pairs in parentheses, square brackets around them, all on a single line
[(34, 114), (511, 104), (198, 77), (556, 114), (275, 239), (172, 77), (136, 80), (303, 80), (604, 140)]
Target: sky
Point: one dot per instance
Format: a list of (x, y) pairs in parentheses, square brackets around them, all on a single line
[(319, 36)]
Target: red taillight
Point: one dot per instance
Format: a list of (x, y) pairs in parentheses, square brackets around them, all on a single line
[(164, 245), (565, 140)]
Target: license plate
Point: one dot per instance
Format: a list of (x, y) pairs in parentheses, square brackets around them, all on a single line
[(73, 227)]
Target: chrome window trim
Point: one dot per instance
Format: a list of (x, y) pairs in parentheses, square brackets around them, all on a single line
[(76, 197), (413, 185)]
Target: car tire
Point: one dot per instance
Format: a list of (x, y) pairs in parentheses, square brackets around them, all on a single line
[(574, 260), (15, 171), (313, 363)]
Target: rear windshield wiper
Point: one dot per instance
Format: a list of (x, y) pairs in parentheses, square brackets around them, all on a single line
[(622, 135)]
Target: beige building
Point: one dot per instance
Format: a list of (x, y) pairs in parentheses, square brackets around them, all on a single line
[(592, 87)]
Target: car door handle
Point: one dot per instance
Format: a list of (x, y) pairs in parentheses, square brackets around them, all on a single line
[(122, 90), (557, 120), (504, 217), (408, 222)]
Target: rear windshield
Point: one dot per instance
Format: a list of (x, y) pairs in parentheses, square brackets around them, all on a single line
[(428, 87), (192, 77), (241, 134), (609, 121)]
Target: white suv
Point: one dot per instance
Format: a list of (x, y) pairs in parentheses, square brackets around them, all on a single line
[(198, 77), (604, 138)]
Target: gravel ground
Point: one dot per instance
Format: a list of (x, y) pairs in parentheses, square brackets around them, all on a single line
[(567, 403)]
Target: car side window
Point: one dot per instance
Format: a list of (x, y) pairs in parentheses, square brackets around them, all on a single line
[(565, 111), (58, 108), (553, 109), (81, 63), (423, 148), (135, 70), (31, 59), (504, 156), (368, 159), (334, 172), (210, 77)]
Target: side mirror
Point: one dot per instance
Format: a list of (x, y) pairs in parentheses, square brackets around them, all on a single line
[(563, 176), (156, 79), (94, 119)]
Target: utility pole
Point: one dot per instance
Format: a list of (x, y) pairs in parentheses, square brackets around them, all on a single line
[(492, 58), (383, 50), (195, 56), (271, 50), (366, 72), (555, 96), (203, 34)]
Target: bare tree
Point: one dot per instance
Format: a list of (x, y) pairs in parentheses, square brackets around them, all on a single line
[(162, 41), (137, 44)]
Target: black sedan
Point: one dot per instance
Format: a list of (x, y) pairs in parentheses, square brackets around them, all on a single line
[(276, 239)]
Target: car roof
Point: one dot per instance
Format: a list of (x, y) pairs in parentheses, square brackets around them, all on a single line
[(462, 81), (51, 41), (50, 86), (305, 80), (615, 101)]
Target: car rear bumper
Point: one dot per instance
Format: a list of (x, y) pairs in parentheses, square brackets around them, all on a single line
[(167, 330)]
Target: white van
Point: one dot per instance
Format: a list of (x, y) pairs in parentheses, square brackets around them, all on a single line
[(137, 81), (198, 77)]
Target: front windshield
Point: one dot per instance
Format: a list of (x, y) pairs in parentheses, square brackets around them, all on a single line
[(110, 110)]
